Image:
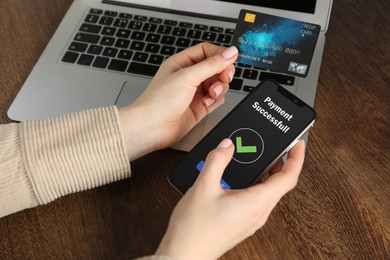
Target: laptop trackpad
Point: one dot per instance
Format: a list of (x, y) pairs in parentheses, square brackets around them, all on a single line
[(130, 92)]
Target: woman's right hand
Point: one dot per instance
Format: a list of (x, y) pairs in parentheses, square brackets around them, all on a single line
[(208, 221)]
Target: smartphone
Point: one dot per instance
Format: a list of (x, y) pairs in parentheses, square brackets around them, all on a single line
[(263, 127)]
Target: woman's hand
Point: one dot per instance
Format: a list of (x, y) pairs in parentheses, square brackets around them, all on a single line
[(187, 87), (208, 221)]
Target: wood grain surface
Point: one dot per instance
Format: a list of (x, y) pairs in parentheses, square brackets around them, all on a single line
[(339, 210)]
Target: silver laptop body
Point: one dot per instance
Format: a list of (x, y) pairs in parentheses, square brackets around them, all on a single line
[(55, 87)]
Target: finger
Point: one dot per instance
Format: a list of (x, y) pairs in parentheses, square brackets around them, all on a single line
[(218, 89), (195, 54), (216, 162), (278, 184), (210, 66), (286, 179), (228, 74), (212, 103), (277, 167), (204, 104)]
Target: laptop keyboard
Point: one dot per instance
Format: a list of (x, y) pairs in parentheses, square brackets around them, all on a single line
[(138, 44)]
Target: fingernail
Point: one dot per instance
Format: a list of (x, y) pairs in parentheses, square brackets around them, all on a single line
[(226, 143), (229, 52), (230, 75), (208, 101), (218, 90)]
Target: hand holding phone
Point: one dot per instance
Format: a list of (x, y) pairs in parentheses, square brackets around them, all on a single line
[(263, 127), (207, 214)]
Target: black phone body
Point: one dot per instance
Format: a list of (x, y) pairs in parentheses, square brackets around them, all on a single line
[(263, 127)]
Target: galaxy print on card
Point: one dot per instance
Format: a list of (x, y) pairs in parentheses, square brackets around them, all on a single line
[(275, 43)]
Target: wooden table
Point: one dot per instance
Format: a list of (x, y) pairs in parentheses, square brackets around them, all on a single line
[(340, 208)]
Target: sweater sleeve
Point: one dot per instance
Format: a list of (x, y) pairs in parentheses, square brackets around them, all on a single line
[(43, 160)]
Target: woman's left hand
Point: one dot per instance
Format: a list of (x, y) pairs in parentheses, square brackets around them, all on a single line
[(187, 87)]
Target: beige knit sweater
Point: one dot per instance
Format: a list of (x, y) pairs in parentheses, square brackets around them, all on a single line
[(43, 160)]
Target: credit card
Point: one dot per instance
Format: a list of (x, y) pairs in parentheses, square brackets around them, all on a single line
[(275, 43)]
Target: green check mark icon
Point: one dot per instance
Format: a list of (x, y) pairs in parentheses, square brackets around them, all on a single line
[(244, 149)]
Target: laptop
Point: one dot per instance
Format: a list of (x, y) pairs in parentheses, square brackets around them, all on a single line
[(105, 53)]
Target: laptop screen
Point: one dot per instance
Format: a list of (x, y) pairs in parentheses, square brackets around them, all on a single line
[(313, 11), (305, 6)]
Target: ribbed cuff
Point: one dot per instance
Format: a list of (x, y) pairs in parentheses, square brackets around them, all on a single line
[(15, 189), (72, 153)]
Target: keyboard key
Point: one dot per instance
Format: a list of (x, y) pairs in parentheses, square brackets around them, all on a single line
[(201, 27), (70, 57), (125, 16), (281, 79), (250, 74), (224, 38), (95, 49), (107, 41), (85, 59), (229, 31), (137, 46), (90, 28), (244, 65), (168, 40), (140, 36), (110, 13), (141, 56), (95, 11), (216, 29), (134, 25), (258, 68), (194, 34), (155, 20), (140, 18), (122, 43), (149, 27), (78, 46), (236, 84), (195, 42), (125, 54), (209, 36), (153, 38), (167, 50), (122, 23), (91, 18), (238, 72), (85, 37), (153, 48), (110, 52), (143, 69), (100, 62), (170, 22), (181, 32), (164, 29), (185, 25), (123, 33), (105, 20), (109, 31), (156, 59), (182, 42), (118, 65)]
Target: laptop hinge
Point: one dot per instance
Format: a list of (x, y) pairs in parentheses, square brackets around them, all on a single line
[(165, 10)]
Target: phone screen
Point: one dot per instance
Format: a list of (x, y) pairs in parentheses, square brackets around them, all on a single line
[(262, 127)]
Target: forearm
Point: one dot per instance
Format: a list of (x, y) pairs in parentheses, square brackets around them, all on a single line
[(43, 160)]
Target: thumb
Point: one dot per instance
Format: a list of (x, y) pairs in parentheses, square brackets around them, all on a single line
[(212, 65), (215, 165)]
